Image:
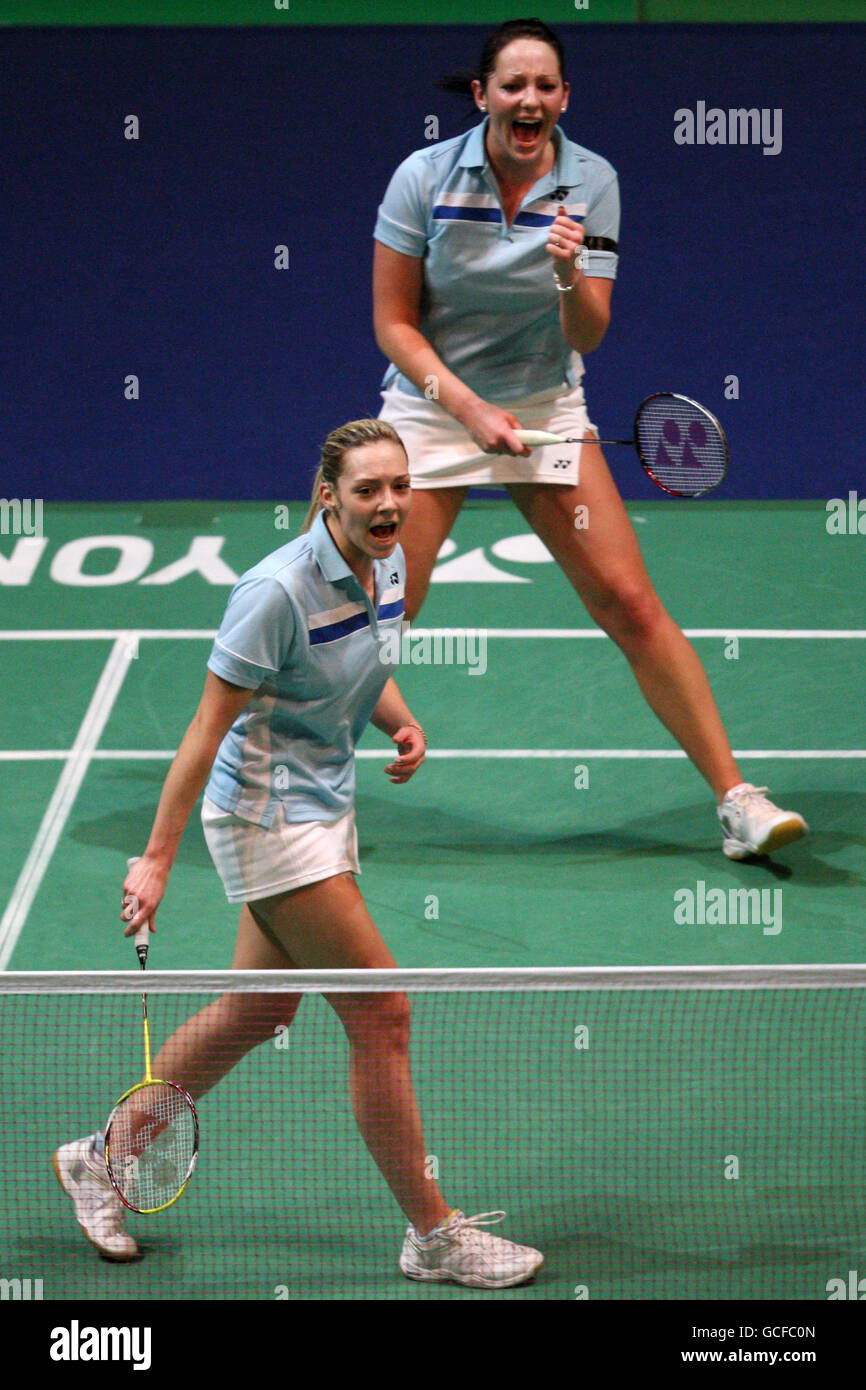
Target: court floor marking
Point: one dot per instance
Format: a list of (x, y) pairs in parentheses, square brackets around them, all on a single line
[(23, 755), (76, 763)]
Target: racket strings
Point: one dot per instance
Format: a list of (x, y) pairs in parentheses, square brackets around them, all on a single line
[(151, 1143), (681, 445)]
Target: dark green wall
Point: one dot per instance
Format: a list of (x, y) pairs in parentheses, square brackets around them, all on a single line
[(210, 12)]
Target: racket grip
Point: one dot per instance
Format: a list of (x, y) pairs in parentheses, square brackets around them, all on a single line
[(536, 437), (142, 936)]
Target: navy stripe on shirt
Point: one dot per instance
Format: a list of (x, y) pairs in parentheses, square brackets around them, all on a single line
[(443, 212), (391, 610), (333, 631)]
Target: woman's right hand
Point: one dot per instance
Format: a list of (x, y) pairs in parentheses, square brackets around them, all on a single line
[(143, 891), (493, 429)]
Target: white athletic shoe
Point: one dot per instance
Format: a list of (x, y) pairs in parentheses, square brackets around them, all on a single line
[(98, 1209), (457, 1251), (753, 825)]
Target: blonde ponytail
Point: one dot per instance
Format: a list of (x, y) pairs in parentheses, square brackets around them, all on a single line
[(315, 501)]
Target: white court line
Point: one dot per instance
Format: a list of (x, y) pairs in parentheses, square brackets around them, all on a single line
[(33, 755), (100, 634), (617, 753), (22, 755), (202, 634), (77, 761)]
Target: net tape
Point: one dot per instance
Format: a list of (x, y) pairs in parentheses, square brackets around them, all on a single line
[(707, 977)]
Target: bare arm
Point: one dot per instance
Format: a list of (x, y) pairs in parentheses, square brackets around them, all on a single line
[(397, 286), (219, 707), (584, 310), (393, 716)]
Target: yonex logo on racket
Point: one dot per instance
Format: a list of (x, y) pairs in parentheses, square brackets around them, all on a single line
[(21, 516), (680, 447), (736, 126)]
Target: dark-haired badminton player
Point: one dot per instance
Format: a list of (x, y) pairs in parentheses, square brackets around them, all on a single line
[(295, 674), (495, 258)]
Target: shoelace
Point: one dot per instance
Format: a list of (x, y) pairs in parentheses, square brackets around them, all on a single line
[(751, 797), (461, 1226)]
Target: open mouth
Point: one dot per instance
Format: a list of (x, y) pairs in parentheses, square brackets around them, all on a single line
[(526, 132), (386, 532)]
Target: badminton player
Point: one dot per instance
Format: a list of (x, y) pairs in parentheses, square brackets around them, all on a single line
[(296, 672), (495, 257)]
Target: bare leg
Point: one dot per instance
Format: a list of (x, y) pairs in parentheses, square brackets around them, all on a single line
[(206, 1047), (326, 925), (604, 564), (430, 519)]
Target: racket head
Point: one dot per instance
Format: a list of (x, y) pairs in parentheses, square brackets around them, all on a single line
[(681, 444), (151, 1145)]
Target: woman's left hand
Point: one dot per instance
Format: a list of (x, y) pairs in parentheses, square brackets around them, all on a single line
[(563, 245), (411, 746)]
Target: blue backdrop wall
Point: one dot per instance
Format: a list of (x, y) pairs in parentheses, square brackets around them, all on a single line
[(155, 256)]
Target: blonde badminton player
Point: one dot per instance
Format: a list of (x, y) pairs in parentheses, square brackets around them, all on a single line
[(295, 674), (495, 257)]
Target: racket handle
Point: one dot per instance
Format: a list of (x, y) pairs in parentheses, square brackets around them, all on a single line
[(142, 936), (536, 437)]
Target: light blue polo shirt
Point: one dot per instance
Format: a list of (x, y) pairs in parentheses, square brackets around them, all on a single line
[(302, 633), (491, 308)]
